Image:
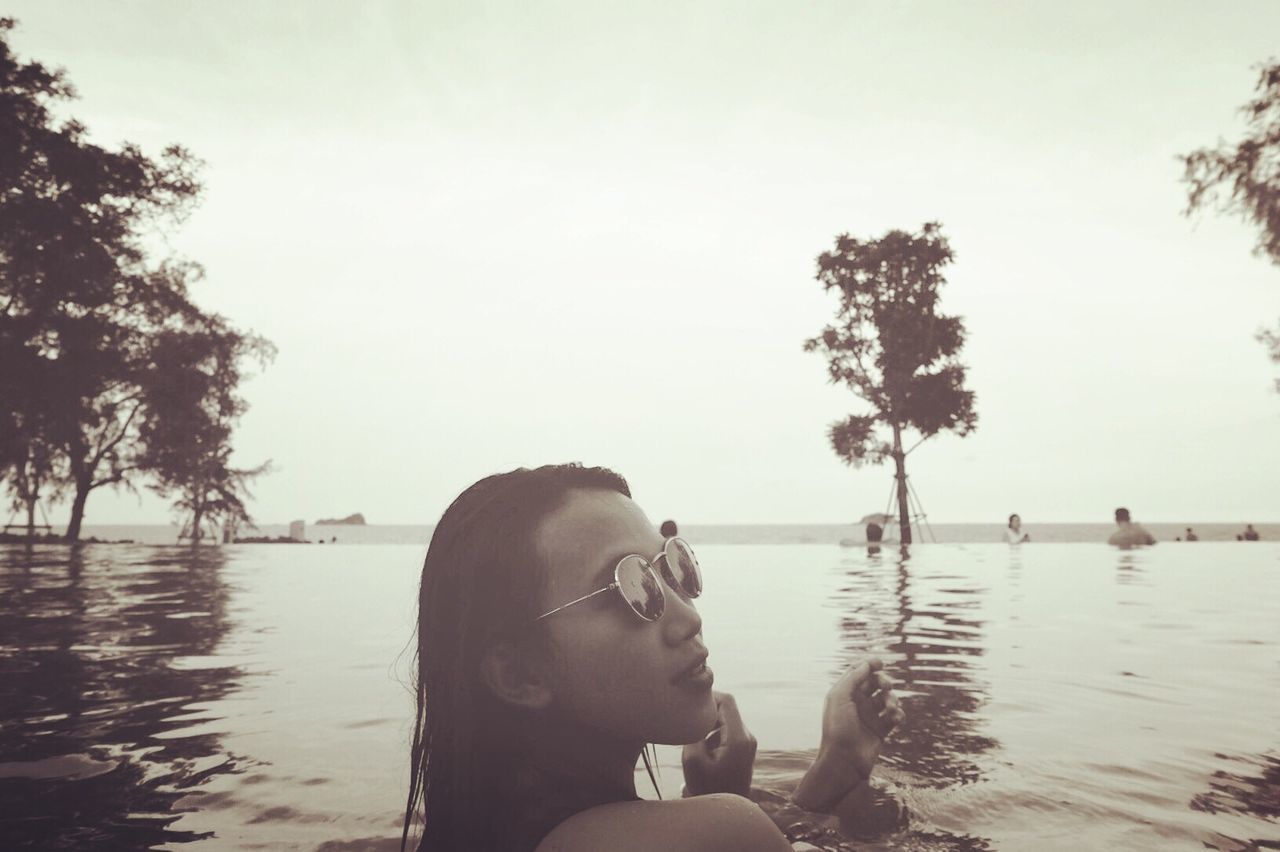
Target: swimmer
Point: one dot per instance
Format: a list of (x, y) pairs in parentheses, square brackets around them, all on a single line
[(1013, 533), (1129, 533), (557, 637)]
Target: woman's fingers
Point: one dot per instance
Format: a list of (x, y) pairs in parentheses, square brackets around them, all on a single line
[(696, 755), (878, 706), (892, 715), (870, 689), (732, 730), (854, 679), (884, 688), (731, 725), (727, 708)]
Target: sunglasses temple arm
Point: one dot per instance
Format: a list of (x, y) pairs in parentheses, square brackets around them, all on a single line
[(608, 588)]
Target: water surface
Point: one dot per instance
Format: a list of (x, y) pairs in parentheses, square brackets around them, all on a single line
[(1059, 696)]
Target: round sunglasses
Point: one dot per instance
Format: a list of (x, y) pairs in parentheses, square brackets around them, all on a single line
[(636, 580)]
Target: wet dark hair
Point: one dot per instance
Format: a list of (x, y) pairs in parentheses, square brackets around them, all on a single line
[(1122, 514), (668, 529), (481, 577)]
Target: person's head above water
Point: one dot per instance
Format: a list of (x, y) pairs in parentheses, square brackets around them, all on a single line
[(668, 529), (525, 675), (1122, 515)]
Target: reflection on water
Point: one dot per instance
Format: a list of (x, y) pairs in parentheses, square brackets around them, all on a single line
[(925, 622), (94, 744), (1058, 696), (934, 641), (1129, 570), (1250, 786)]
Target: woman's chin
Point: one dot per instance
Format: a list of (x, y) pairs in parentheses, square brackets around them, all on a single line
[(691, 727), (704, 721)]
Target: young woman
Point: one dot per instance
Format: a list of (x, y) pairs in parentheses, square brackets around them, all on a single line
[(557, 637), (1013, 533)]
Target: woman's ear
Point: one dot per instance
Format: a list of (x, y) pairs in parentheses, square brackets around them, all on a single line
[(513, 677)]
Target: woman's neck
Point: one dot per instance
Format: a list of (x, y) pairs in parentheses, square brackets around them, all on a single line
[(585, 756)]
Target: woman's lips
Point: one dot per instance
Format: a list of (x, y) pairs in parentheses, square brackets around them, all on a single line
[(697, 676)]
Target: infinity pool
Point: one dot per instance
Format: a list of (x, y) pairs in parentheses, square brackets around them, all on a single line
[(1059, 696)]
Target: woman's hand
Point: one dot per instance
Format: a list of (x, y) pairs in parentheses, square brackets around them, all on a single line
[(722, 761), (858, 714)]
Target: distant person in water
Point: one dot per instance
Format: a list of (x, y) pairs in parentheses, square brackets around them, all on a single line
[(1128, 533), (668, 529), (1013, 533), (559, 635), (1250, 534), (1191, 535), (875, 533)]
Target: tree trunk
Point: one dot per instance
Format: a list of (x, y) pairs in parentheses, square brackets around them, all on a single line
[(197, 529), (900, 464), (77, 509), (31, 515)]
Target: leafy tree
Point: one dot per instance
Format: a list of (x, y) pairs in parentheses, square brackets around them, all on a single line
[(29, 462), (1244, 179), (81, 302), (190, 412), (893, 349)]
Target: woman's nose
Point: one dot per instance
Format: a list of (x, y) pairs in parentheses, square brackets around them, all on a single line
[(681, 620)]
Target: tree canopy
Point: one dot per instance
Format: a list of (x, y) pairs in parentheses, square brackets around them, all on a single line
[(192, 406), (83, 302), (1244, 178), (891, 346)]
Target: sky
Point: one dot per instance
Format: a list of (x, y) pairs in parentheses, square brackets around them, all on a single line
[(491, 235)]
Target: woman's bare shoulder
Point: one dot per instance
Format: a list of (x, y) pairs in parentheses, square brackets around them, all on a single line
[(718, 823)]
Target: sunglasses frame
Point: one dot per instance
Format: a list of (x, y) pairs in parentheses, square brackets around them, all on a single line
[(649, 565)]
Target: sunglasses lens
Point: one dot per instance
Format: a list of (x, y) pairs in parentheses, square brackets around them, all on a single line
[(641, 588), (684, 567)]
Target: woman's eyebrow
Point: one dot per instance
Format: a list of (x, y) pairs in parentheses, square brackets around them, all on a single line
[(606, 574)]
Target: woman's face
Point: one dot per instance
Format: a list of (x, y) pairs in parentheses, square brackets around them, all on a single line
[(1015, 522), (613, 671)]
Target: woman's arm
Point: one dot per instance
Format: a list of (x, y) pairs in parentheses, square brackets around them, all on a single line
[(859, 712)]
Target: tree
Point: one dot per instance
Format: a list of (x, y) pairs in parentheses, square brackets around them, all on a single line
[(81, 301), (1244, 179), (29, 462), (190, 410), (892, 348), (103, 388)]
